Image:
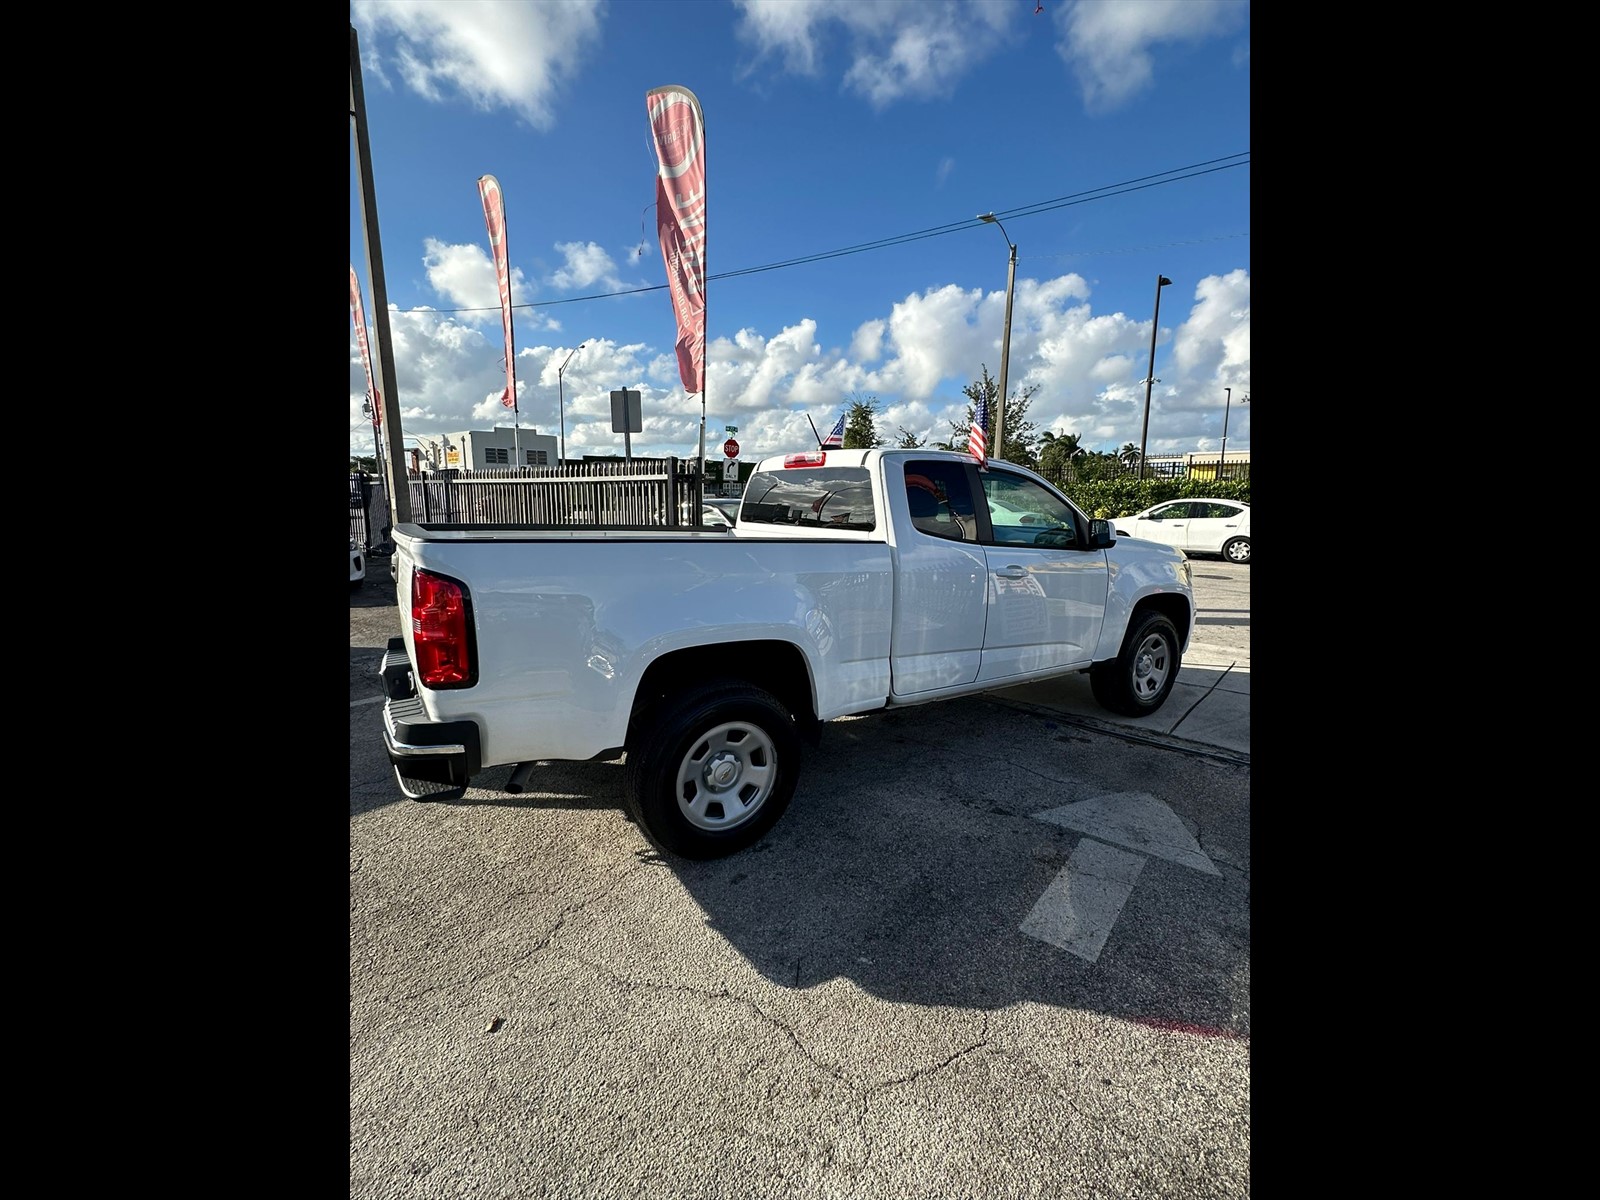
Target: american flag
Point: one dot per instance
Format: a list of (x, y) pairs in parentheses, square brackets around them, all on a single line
[(978, 440), (836, 438)]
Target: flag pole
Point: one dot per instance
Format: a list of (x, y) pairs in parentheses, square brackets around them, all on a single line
[(516, 433), (814, 432)]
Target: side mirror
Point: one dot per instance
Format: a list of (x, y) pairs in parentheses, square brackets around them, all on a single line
[(1102, 535)]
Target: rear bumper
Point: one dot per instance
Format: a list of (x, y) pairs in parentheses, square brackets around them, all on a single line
[(425, 753)]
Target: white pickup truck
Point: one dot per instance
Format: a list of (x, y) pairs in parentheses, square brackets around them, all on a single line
[(853, 580)]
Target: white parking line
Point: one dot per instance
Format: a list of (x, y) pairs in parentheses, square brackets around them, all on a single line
[(366, 700)]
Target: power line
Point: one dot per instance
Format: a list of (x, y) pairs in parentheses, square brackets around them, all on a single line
[(1221, 237), (1159, 179)]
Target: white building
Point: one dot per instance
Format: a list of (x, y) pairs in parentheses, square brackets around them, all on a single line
[(482, 449)]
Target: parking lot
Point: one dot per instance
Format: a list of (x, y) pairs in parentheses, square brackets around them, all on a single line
[(991, 950)]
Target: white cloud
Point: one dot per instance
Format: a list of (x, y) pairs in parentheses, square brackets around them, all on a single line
[(587, 265), (867, 344), (921, 49), (1107, 42), (896, 48), (464, 277), (490, 53), (925, 56), (1087, 369)]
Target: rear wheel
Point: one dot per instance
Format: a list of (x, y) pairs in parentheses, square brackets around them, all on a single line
[(1236, 550), (710, 771), (1139, 680)]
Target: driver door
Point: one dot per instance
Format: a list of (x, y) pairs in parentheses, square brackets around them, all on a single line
[(1046, 589)]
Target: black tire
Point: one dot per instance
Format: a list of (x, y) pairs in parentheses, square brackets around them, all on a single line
[(1138, 681), (1236, 550), (710, 771)]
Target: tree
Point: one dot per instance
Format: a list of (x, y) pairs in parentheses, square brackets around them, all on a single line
[(360, 463), (1128, 456), (1020, 435), (1057, 453), (861, 426), (910, 441)]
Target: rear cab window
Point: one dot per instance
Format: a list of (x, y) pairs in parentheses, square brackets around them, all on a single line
[(822, 498)]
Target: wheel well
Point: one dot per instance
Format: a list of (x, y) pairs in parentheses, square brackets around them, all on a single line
[(776, 667), (1173, 608)]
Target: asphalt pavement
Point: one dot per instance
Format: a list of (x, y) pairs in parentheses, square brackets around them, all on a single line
[(998, 947)]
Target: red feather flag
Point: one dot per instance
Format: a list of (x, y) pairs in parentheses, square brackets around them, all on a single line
[(679, 130), (494, 215)]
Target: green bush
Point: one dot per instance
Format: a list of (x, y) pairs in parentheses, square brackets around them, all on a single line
[(1126, 495)]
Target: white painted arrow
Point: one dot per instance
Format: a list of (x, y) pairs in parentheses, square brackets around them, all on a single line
[(1082, 903)]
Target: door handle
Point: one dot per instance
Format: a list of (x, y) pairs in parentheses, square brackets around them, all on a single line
[(1011, 573)]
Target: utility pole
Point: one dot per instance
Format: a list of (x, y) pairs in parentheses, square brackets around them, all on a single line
[(399, 497)]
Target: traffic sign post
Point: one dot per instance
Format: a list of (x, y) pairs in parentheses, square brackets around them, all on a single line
[(627, 417)]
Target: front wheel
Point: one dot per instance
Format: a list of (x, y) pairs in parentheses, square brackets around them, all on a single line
[(1138, 681), (710, 771), (1237, 550)]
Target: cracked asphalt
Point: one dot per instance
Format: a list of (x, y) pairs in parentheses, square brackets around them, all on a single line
[(540, 1005)]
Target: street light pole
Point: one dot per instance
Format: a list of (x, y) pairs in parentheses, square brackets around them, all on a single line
[(1005, 340), (1223, 461), (1245, 399), (561, 404), (1155, 327)]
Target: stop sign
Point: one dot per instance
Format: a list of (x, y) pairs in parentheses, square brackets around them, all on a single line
[(731, 448)]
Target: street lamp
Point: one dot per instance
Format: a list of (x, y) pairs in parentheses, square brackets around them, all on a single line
[(561, 401), (1225, 407), (1227, 404), (1155, 327), (1005, 341)]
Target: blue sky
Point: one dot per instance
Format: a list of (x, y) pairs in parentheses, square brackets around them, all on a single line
[(1111, 137)]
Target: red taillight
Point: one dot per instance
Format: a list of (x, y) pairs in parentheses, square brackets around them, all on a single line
[(439, 631), (815, 459)]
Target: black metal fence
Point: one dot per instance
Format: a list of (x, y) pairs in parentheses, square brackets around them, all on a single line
[(633, 493), (1188, 467), (368, 500)]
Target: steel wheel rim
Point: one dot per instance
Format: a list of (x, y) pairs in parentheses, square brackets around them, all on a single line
[(1152, 664), (726, 776)]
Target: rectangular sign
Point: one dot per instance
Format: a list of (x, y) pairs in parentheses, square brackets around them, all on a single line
[(627, 416)]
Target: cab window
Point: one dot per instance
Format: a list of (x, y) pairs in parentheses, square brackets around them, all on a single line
[(1022, 513), (940, 498), (829, 497)]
